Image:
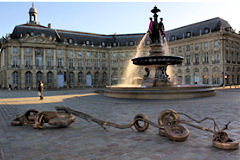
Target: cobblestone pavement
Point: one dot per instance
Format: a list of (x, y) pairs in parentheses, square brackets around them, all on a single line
[(87, 141)]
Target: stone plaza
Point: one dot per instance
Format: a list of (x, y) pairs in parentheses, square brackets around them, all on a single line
[(88, 141)]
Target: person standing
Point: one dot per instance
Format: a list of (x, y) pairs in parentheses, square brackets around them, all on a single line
[(161, 28), (40, 90), (150, 29)]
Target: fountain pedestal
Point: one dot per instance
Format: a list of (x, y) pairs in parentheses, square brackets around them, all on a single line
[(157, 73)]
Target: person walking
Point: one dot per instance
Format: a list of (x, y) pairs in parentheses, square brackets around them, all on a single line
[(40, 90)]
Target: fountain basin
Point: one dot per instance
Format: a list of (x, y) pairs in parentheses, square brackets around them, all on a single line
[(158, 60), (169, 92)]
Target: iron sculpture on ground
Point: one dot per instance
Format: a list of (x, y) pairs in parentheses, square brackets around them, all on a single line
[(37, 120), (169, 124)]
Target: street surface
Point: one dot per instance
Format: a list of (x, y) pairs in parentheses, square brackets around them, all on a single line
[(88, 141)]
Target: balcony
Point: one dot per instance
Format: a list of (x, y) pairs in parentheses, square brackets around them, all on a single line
[(80, 68), (50, 67), (104, 68), (15, 66), (96, 68), (89, 68), (28, 66), (59, 67), (39, 67), (215, 62), (71, 68)]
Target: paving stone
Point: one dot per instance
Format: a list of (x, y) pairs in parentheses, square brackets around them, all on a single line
[(88, 141)]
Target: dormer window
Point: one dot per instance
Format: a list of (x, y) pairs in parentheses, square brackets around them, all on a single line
[(188, 34), (173, 38), (114, 44), (131, 43), (70, 41), (103, 44), (87, 42), (206, 30)]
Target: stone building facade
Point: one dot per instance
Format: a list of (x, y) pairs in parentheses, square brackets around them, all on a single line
[(70, 59)]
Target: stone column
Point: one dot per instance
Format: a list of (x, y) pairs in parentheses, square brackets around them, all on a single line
[(22, 79), (3, 59), (54, 58), (44, 58), (22, 57), (33, 57), (34, 80)]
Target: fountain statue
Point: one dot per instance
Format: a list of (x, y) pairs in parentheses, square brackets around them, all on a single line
[(157, 61), (156, 83)]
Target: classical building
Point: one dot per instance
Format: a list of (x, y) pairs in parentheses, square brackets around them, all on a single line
[(62, 58)]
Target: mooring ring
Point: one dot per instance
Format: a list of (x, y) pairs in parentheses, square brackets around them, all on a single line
[(139, 127)]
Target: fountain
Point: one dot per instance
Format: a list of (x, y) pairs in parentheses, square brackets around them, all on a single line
[(156, 83)]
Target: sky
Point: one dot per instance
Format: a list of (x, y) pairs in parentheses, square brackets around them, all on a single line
[(116, 17)]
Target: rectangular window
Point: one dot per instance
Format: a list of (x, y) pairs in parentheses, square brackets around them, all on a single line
[(187, 80), (233, 58), (89, 63), (49, 61), (196, 58), (15, 50), (80, 63), (114, 56), (206, 57), (28, 61), (15, 61), (96, 63), (205, 45), (179, 49), (196, 46), (96, 55), (70, 53), (104, 64), (70, 63), (27, 50), (187, 48), (79, 54), (216, 56), (59, 52), (59, 62), (188, 59), (226, 57), (104, 55), (49, 52), (216, 44)]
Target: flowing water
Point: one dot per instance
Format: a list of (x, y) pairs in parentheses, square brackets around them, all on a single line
[(130, 71), (167, 53)]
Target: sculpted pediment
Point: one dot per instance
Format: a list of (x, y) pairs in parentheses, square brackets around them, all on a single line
[(38, 39)]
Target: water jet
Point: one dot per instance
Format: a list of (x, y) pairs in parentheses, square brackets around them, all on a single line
[(156, 83)]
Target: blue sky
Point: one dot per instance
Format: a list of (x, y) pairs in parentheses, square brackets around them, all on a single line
[(119, 17)]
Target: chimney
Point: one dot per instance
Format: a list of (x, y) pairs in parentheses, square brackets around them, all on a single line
[(49, 25)]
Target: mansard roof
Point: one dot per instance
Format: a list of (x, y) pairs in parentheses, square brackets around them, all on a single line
[(212, 25), (195, 29)]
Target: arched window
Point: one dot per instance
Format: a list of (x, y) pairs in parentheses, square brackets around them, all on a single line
[(80, 78), (71, 80), (104, 77), (28, 77), (39, 76), (96, 77), (15, 78), (49, 77)]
